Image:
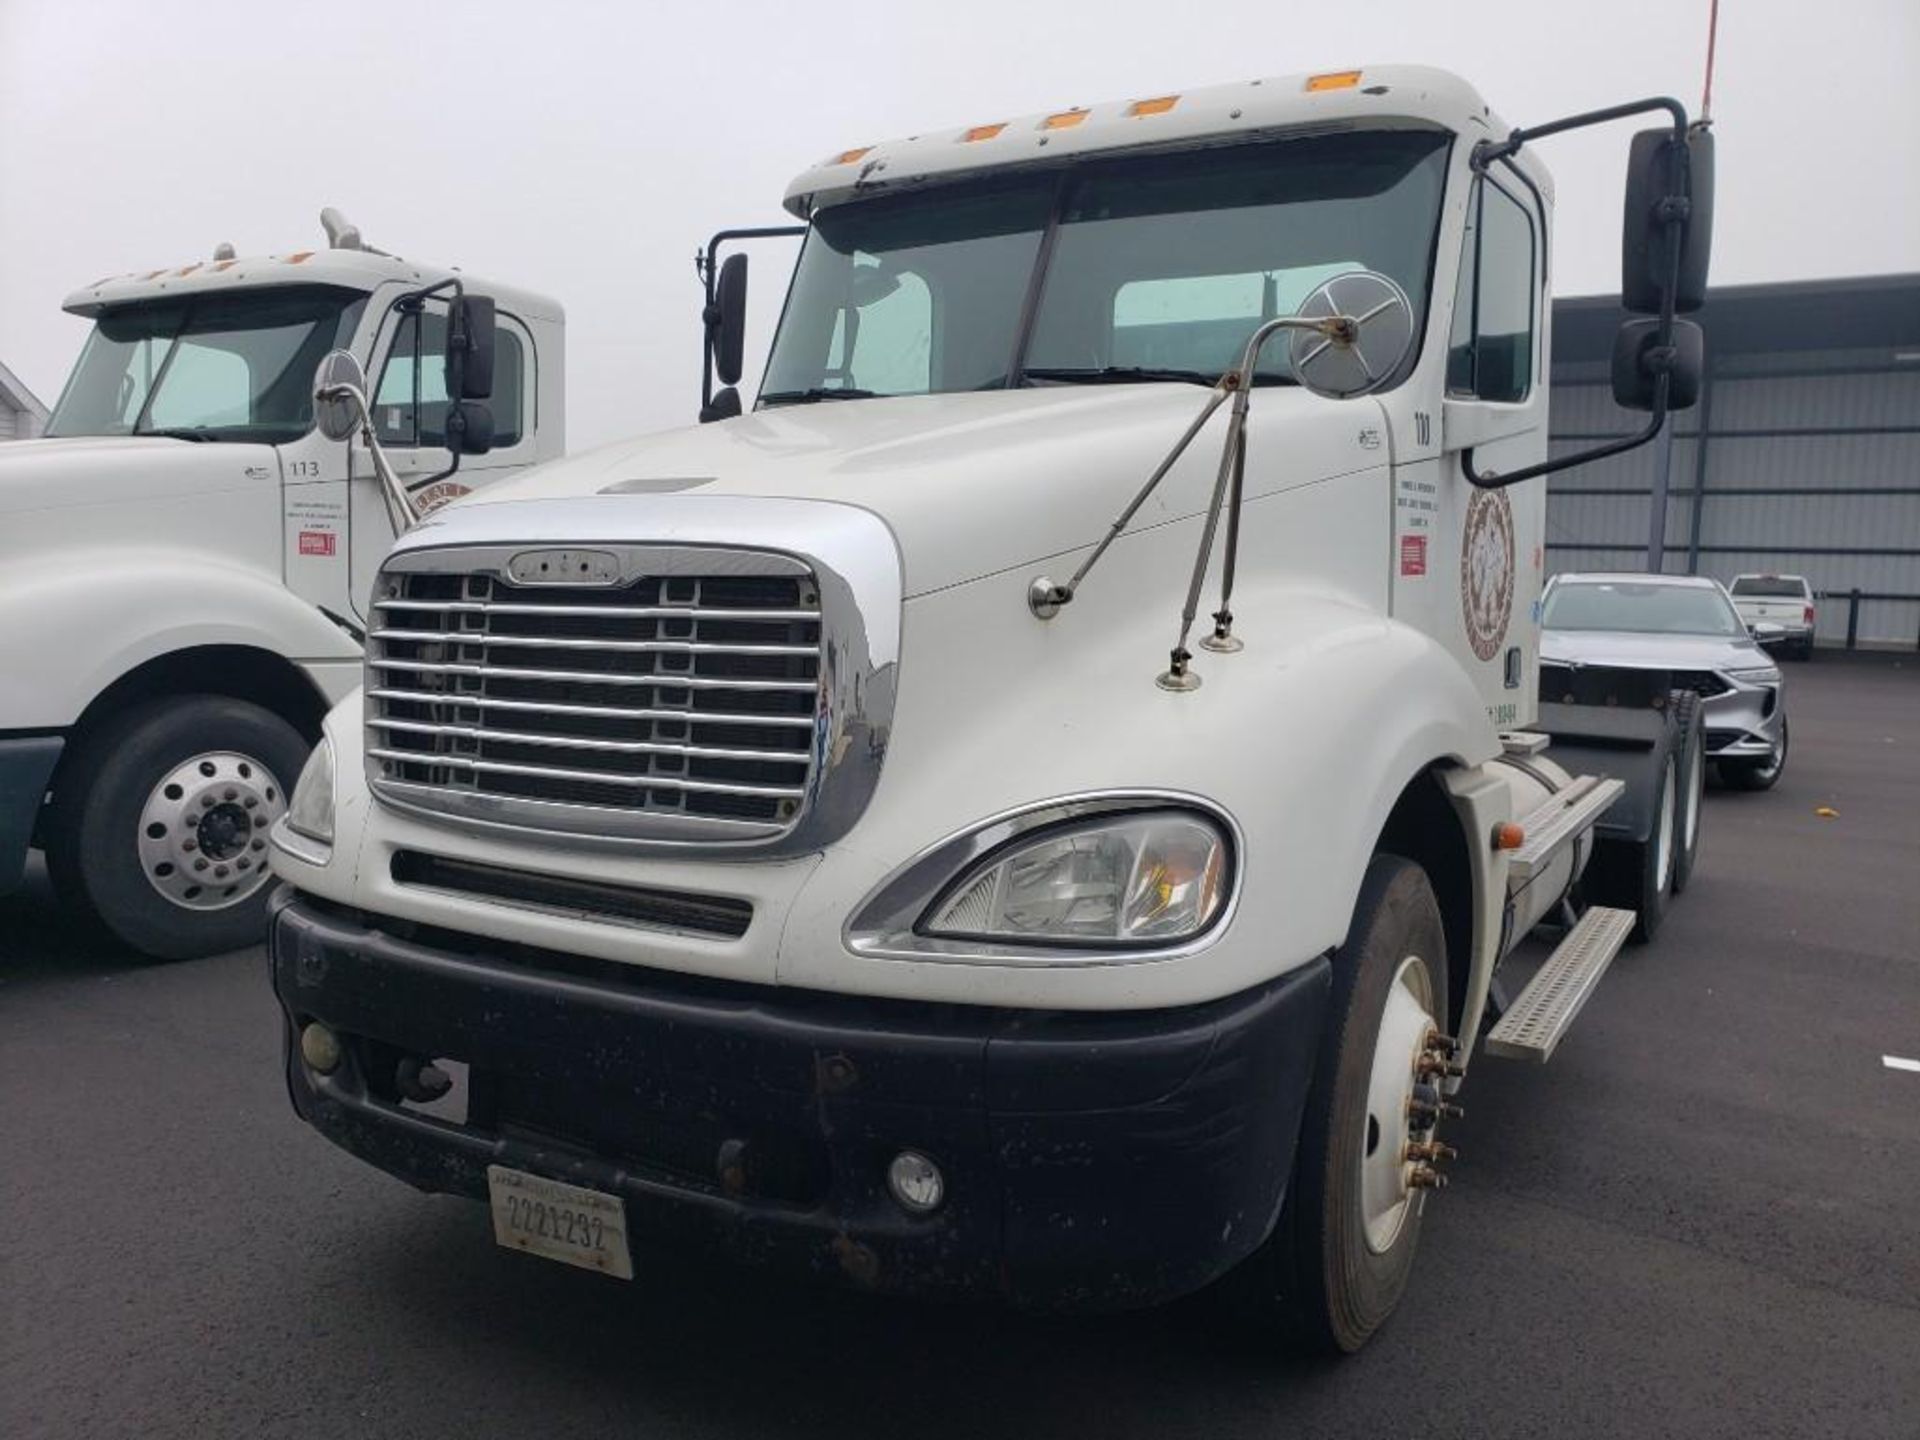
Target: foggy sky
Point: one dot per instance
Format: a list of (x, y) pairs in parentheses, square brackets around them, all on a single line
[(587, 150)]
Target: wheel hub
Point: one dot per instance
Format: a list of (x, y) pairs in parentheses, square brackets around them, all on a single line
[(1408, 1054), (203, 830)]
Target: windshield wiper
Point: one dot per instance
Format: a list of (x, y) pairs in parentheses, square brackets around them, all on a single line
[(1115, 375), (1135, 374), (181, 432), (817, 392)]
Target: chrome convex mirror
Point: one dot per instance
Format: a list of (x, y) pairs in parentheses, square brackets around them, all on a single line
[(335, 382), (1362, 359), (339, 408)]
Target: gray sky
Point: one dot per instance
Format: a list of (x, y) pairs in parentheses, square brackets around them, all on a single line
[(586, 150)]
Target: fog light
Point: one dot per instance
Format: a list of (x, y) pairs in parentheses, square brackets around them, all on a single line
[(320, 1048), (916, 1183)]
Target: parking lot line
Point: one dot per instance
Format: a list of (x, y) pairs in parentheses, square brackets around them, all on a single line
[(1897, 1062)]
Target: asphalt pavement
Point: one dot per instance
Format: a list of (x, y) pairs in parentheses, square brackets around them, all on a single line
[(1701, 1219)]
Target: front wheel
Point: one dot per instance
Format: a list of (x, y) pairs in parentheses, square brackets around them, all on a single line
[(1758, 774), (162, 829), (1338, 1261)]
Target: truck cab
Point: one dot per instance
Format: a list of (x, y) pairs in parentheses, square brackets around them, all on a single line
[(833, 834), (186, 561)]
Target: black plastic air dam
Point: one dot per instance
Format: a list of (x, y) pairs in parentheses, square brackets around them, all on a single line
[(1093, 1161)]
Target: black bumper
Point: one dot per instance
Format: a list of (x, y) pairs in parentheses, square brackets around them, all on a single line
[(1092, 1161), (26, 764)]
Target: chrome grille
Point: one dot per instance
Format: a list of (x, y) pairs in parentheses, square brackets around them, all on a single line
[(686, 698)]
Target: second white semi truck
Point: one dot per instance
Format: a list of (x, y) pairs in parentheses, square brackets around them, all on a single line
[(185, 559), (1039, 805)]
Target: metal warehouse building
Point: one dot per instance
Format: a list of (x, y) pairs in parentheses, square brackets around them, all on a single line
[(1803, 455), (21, 415)]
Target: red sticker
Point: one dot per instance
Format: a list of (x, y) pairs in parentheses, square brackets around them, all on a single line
[(316, 542), (1413, 554)]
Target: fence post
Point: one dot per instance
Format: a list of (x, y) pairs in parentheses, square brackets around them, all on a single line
[(1853, 617)]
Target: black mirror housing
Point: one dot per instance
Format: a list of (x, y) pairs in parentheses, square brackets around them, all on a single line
[(470, 427), (470, 334), (727, 320), (723, 406), (1662, 176), (1639, 360)]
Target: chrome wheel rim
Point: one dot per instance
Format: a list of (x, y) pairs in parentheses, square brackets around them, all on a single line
[(1386, 1196), (203, 830)]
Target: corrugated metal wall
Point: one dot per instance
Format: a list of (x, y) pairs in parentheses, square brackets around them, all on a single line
[(1810, 466)]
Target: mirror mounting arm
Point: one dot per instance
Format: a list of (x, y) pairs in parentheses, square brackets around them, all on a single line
[(1674, 211), (399, 499), (706, 264)]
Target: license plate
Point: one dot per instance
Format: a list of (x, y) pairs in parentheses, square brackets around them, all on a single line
[(561, 1222)]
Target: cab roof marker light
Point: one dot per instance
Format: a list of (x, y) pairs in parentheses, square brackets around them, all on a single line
[(1333, 80), (1159, 105), (299, 256), (1064, 119), (188, 269), (983, 132), (847, 157)]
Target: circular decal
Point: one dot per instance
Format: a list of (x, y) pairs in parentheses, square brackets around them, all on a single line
[(1486, 571), (426, 501)]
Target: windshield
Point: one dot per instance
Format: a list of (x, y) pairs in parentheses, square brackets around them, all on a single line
[(207, 367), (1771, 587), (1155, 268), (1648, 608)]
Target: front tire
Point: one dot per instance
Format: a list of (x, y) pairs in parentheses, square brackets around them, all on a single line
[(1338, 1261), (161, 830), (1758, 774)]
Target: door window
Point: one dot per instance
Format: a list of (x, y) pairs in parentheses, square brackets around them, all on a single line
[(410, 406), (1490, 348)]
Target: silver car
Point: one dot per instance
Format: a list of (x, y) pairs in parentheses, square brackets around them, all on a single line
[(1686, 624)]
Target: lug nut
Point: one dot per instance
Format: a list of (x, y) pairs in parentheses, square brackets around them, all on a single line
[(1431, 1152), (1440, 1044), (1434, 1065), (1425, 1177)]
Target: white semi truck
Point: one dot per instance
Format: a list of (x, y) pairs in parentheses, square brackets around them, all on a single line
[(185, 560), (819, 835)]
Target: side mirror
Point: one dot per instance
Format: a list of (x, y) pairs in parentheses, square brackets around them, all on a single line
[(1639, 359), (1766, 632), (723, 406), (336, 412), (1663, 179), (1372, 354), (470, 328), (470, 427), (727, 319)]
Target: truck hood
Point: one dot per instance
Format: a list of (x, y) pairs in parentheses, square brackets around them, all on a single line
[(1636, 650), (973, 484), (121, 470)]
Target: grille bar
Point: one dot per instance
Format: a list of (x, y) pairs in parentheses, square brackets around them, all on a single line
[(610, 712), (552, 642), (592, 677), (578, 742), (615, 612), (549, 772)]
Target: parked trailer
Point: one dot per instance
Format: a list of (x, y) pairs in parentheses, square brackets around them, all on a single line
[(185, 559), (818, 833)]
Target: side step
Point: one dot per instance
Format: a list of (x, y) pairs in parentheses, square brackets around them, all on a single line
[(1536, 1021), (1564, 816)]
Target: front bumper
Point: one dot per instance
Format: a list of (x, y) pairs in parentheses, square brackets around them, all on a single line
[(1092, 1160), (26, 764)]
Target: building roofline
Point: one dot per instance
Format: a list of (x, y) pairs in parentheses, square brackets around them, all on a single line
[(23, 399)]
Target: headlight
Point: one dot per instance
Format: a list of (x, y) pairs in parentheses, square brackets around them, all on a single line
[(310, 811), (1136, 879), (1758, 675)]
